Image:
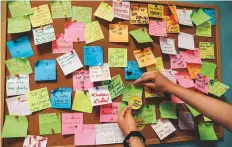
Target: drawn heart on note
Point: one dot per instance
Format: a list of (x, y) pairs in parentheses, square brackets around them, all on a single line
[(128, 73)]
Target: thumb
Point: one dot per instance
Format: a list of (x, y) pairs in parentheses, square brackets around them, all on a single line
[(129, 111)]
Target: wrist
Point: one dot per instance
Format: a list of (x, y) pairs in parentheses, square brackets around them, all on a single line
[(169, 87)]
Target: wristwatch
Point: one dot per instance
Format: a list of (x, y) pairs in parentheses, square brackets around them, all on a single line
[(136, 134)]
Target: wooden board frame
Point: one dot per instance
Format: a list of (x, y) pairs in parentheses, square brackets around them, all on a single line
[(151, 141)]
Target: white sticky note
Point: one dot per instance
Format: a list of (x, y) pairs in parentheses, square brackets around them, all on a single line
[(121, 9), (167, 46), (100, 73), (186, 41), (170, 74), (44, 35), (100, 95), (185, 121), (184, 17), (35, 141)]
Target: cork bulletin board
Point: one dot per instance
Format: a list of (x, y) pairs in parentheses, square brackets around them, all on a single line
[(44, 51)]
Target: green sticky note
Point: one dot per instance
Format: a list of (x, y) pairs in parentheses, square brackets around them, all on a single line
[(18, 66), (82, 102), (20, 8), (131, 90), (49, 123), (141, 35), (115, 86), (82, 14), (121, 106), (199, 16), (61, 9), (15, 127), (208, 69), (117, 57), (206, 118), (167, 110), (206, 50), (217, 88), (104, 11), (18, 25), (193, 111), (148, 114), (206, 131), (204, 29)]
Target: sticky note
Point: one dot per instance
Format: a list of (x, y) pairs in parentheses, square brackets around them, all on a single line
[(167, 110), (61, 9), (199, 16), (206, 118), (157, 28), (186, 41), (184, 17), (15, 48), (138, 15), (115, 85), (193, 111), (82, 102), (118, 33), (157, 66), (61, 98), (71, 122), (49, 123), (171, 25), (19, 8), (177, 61), (201, 83), (144, 57), (176, 100), (208, 69), (18, 66), (60, 45), (93, 55), (104, 11), (121, 106), (34, 141), (147, 112), (44, 35), (191, 56), (45, 70), (131, 90), (38, 99), (135, 102), (87, 137), (100, 95), (193, 69), (121, 9), (206, 131), (217, 88), (132, 71), (206, 50), (109, 112), (174, 13), (74, 31), (17, 85), (184, 79), (204, 29), (117, 57), (15, 127), (93, 32), (81, 80), (18, 105), (18, 25), (150, 93), (211, 13), (170, 74), (185, 121), (156, 11), (167, 46), (141, 35), (40, 16), (82, 14), (100, 73), (69, 62)]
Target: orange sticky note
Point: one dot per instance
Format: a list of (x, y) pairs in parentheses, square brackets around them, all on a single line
[(193, 70), (118, 33), (171, 24), (144, 57)]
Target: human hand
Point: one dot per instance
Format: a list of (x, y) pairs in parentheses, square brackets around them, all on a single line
[(126, 121)]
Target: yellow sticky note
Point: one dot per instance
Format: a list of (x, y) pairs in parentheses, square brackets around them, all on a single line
[(206, 118), (82, 102), (61, 9), (149, 93), (204, 29), (118, 33), (18, 66), (41, 16), (171, 25), (18, 25), (93, 32), (172, 9), (144, 57), (117, 57), (156, 11), (104, 11), (158, 66), (206, 50), (138, 15), (19, 8), (193, 69)]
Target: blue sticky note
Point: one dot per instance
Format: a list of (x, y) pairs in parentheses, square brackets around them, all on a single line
[(132, 71), (211, 13), (93, 55), (45, 70), (20, 48), (61, 98)]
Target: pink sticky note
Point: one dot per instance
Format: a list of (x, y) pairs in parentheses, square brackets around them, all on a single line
[(81, 80), (176, 100), (86, 136), (157, 28), (109, 112), (184, 79), (192, 56), (71, 121), (74, 31), (201, 83), (177, 61), (60, 45)]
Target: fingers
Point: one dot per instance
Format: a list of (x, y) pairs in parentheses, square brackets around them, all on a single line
[(123, 112), (129, 111), (149, 85)]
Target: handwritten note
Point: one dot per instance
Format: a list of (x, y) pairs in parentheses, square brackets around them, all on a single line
[(147, 112), (141, 35), (208, 69), (81, 80), (100, 95), (201, 83), (44, 35), (185, 121), (93, 55), (20, 8), (109, 112), (18, 105), (157, 66), (170, 74), (61, 9), (206, 131), (167, 46), (121, 9), (193, 69), (204, 29), (18, 66), (82, 14), (184, 17), (82, 102), (206, 50), (69, 62), (138, 15), (35, 141), (18, 25), (150, 93), (155, 10), (86, 136), (15, 48), (118, 33), (131, 90), (40, 16), (100, 73), (116, 86), (177, 61), (211, 13), (199, 16), (117, 57), (74, 32), (191, 56), (38, 99), (184, 79), (186, 41), (93, 32), (70, 122), (217, 88), (174, 13), (49, 123), (172, 26), (61, 98), (132, 71), (45, 70), (104, 11), (60, 45), (167, 110), (144, 57), (193, 111), (157, 28)]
